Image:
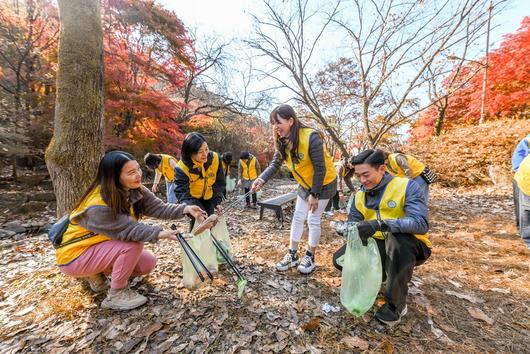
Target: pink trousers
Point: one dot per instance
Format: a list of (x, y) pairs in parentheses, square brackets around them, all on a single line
[(119, 259)]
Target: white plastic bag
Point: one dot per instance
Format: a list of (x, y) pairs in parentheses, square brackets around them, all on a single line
[(203, 246), (220, 232)]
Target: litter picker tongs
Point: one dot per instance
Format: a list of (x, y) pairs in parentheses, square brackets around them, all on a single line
[(206, 222), (192, 256), (241, 282)]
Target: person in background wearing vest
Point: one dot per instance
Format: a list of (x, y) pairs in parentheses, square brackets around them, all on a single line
[(344, 170), (521, 188), (393, 211), (226, 160), (401, 165), (305, 154), (164, 165), (105, 236), (521, 151), (199, 176), (247, 171)]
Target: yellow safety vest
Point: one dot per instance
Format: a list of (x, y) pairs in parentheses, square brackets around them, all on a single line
[(395, 170), (522, 176), (391, 206), (303, 171), (249, 172), (201, 185), (226, 168), (69, 252), (165, 168)]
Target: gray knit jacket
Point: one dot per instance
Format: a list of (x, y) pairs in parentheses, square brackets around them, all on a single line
[(124, 227)]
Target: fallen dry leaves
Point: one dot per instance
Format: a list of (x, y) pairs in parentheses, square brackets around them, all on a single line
[(473, 155), (478, 272)]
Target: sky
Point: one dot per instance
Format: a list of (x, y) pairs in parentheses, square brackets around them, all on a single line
[(231, 19)]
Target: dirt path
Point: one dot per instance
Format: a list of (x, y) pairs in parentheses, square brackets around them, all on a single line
[(471, 296)]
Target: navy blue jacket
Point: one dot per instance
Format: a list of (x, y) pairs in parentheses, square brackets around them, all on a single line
[(416, 214)]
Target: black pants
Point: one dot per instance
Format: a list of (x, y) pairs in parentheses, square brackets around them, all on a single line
[(516, 202), (335, 202), (205, 205), (254, 197), (400, 253)]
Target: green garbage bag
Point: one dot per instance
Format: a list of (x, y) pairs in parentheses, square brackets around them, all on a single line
[(203, 246), (220, 232), (361, 274), (230, 184)]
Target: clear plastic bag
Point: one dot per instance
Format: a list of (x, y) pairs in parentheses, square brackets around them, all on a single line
[(361, 274), (350, 202), (220, 232), (203, 246), (230, 184)]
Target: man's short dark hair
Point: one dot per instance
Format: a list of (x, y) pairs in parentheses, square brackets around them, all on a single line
[(374, 158), (152, 160), (227, 157), (244, 155)]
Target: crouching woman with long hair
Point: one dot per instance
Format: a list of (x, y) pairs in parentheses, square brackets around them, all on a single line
[(105, 236)]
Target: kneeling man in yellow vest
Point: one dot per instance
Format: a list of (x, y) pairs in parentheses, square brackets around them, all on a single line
[(521, 189), (393, 211)]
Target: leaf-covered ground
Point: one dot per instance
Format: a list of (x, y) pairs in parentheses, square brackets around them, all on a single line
[(471, 296)]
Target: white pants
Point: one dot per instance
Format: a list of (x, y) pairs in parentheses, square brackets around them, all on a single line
[(301, 213)]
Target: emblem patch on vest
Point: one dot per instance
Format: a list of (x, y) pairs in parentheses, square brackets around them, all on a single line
[(391, 204), (211, 174), (301, 156)]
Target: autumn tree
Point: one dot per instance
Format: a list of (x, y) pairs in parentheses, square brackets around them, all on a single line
[(147, 52), (393, 43), (77, 144), (282, 37), (404, 39), (508, 89), (28, 38)]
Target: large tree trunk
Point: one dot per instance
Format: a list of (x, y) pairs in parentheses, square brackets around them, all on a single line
[(77, 144)]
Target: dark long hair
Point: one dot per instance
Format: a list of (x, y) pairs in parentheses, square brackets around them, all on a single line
[(191, 145), (286, 112), (112, 192)]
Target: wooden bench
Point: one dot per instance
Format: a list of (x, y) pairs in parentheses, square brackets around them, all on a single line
[(276, 204)]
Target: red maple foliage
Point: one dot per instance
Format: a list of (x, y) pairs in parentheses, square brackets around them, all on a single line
[(507, 90), (146, 55)]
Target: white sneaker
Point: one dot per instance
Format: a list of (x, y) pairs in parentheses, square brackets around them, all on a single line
[(290, 260), (329, 213), (307, 265), (124, 299)]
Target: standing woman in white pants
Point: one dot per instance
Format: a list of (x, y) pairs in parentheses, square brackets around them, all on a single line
[(302, 149)]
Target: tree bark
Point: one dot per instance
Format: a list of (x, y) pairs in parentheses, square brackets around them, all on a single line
[(74, 152)]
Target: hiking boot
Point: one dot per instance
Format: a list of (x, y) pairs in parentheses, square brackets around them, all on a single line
[(389, 315), (247, 205), (307, 265), (290, 260), (98, 283), (124, 299)]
